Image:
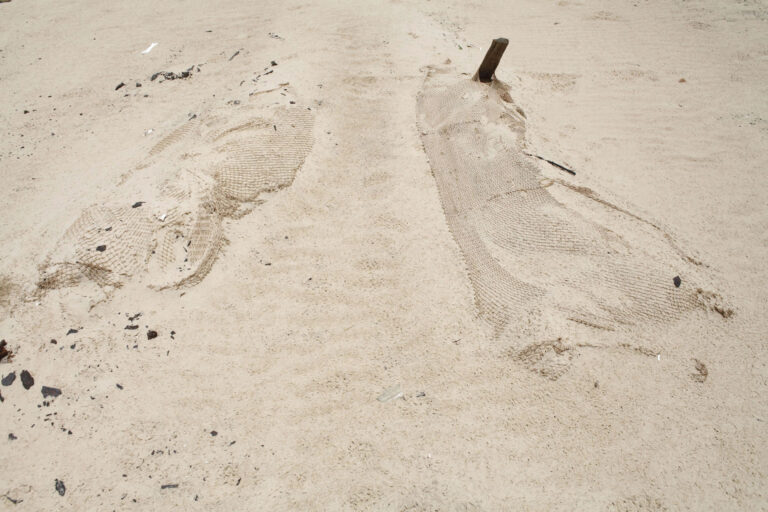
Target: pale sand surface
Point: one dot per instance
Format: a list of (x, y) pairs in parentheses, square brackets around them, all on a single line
[(570, 379)]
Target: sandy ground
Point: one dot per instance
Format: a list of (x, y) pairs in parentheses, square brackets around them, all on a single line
[(260, 390)]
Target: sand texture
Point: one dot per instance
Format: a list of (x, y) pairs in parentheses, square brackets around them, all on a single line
[(292, 257)]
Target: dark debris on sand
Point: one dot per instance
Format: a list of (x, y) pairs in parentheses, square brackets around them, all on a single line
[(27, 380), (8, 379), (5, 352), (50, 392), (170, 75)]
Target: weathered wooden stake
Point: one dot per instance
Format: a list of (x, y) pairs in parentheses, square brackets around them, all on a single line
[(491, 60)]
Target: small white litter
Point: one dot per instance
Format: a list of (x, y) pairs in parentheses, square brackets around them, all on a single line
[(658, 357), (149, 49), (148, 132), (390, 394), (162, 217)]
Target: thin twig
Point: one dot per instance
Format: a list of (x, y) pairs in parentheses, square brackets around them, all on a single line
[(561, 167)]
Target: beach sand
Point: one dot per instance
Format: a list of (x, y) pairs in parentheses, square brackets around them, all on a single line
[(311, 265)]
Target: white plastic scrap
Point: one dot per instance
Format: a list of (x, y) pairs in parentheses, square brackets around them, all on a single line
[(149, 49), (390, 394), (162, 217)]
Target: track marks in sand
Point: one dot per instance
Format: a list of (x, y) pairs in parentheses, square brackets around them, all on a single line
[(539, 252), (164, 222)]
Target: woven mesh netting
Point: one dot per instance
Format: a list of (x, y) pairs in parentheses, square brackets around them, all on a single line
[(172, 236), (104, 244), (262, 155), (527, 248)]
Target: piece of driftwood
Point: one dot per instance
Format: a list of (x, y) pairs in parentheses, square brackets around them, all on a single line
[(491, 61)]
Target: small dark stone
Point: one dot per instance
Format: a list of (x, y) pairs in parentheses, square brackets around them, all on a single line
[(273, 63), (12, 437), (26, 111), (8, 379), (1, 398), (214, 433), (52, 392), (60, 488), (131, 327), (121, 84), (137, 204), (71, 331), (169, 486), (108, 229), (151, 335), (27, 380), (119, 386), (54, 342), (101, 248), (138, 84), (677, 281), (72, 346)]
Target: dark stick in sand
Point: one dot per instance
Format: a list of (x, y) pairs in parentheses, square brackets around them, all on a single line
[(491, 60), (561, 167)]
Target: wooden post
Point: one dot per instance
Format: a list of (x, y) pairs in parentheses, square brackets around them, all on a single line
[(491, 60)]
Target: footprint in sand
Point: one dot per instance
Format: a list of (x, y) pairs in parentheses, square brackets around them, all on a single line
[(539, 252), (163, 224)]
